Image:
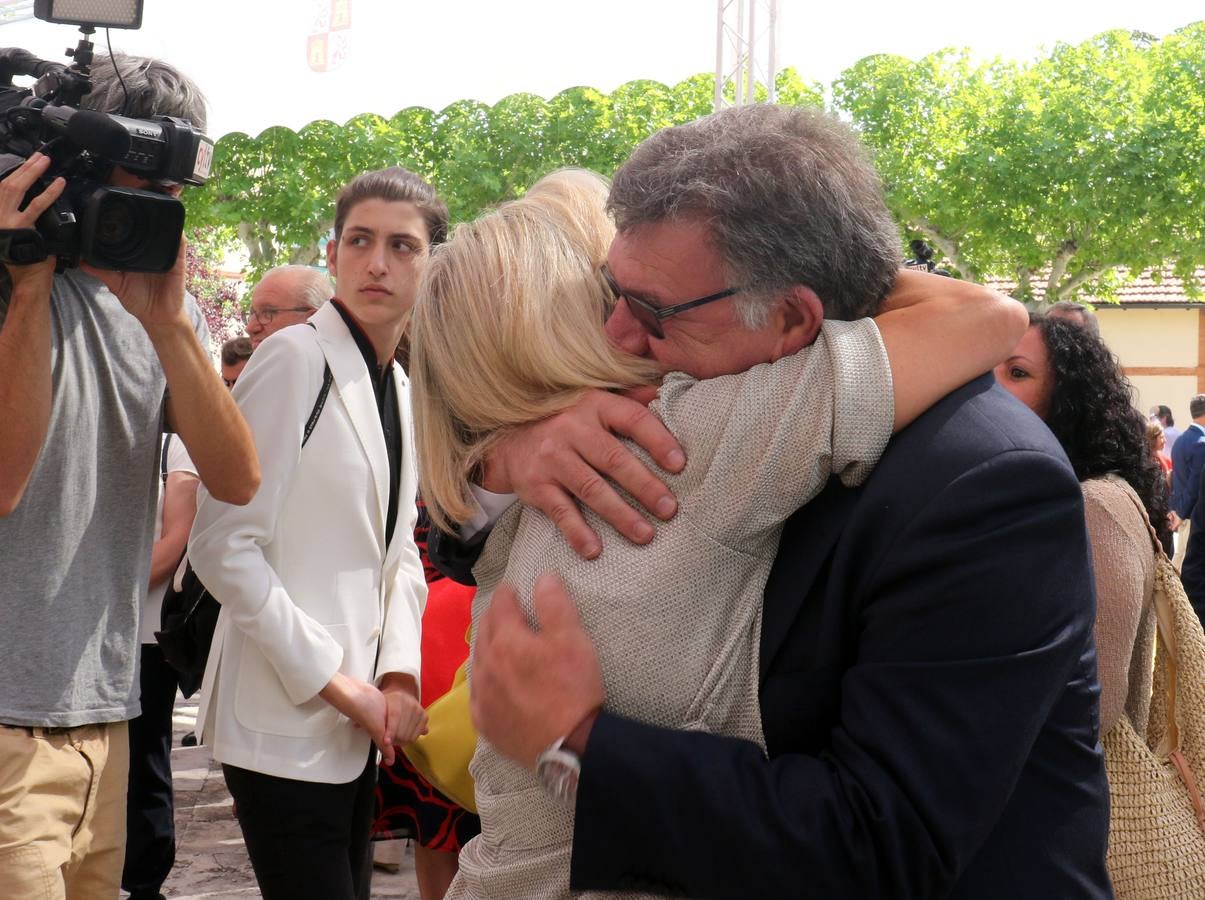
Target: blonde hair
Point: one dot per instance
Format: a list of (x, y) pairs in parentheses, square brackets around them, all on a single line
[(508, 330)]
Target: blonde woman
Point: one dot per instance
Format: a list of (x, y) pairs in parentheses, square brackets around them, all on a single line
[(508, 329)]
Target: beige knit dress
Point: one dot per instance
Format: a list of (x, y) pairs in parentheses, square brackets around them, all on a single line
[(677, 623)]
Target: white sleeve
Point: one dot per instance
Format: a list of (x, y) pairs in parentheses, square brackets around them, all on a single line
[(275, 393), (178, 459)]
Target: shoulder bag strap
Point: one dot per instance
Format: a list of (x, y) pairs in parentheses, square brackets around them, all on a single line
[(167, 439), (327, 378)]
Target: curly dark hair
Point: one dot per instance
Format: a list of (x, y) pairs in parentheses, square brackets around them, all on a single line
[(1093, 416)]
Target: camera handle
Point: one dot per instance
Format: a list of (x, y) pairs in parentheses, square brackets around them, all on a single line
[(21, 246), (72, 90)]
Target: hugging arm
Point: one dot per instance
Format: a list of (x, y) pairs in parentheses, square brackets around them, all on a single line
[(940, 333)]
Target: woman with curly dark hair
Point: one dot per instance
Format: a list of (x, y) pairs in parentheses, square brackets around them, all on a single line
[(1071, 380)]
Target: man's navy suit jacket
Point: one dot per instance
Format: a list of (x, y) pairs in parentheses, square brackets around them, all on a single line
[(1188, 462), (1193, 572), (928, 697)]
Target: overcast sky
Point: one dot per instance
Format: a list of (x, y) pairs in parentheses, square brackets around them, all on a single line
[(250, 56)]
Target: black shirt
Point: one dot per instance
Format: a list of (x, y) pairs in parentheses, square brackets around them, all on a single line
[(385, 389)]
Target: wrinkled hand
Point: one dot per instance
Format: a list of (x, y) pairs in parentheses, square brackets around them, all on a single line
[(531, 687), (364, 705), (154, 299), (37, 276), (573, 454), (405, 719)]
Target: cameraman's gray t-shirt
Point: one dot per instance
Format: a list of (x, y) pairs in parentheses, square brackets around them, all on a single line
[(75, 553)]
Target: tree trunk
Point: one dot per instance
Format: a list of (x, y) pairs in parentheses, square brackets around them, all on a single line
[(1059, 268), (1067, 289)]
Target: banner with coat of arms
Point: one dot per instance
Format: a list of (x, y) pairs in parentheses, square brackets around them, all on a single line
[(328, 44)]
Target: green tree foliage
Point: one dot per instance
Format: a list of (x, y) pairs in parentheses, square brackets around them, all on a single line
[(1077, 166), (276, 191), (216, 297)]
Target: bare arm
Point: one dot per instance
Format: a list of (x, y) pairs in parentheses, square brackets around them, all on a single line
[(200, 409), (940, 333), (179, 509), (24, 341)]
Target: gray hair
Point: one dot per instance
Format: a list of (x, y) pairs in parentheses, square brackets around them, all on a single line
[(154, 89), (1196, 406), (312, 287), (791, 198), (1077, 314)]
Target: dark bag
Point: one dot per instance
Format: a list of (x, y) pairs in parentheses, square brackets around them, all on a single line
[(190, 614)]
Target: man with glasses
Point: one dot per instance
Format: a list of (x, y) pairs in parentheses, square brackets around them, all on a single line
[(928, 692), (286, 295)]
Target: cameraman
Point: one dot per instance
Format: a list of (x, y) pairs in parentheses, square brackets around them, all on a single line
[(94, 365)]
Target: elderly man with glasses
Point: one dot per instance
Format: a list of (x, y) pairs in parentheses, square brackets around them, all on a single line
[(928, 693), (284, 296)]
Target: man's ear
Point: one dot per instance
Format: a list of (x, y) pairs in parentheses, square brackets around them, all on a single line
[(797, 320), (331, 250)]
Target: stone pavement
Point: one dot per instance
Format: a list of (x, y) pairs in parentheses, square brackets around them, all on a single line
[(211, 861)]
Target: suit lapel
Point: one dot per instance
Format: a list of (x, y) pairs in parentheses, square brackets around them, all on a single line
[(807, 543), (407, 475), (354, 386)]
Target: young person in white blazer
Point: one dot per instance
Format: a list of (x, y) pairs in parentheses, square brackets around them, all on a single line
[(315, 661)]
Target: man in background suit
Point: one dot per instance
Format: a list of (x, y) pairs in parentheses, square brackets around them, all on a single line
[(928, 687), (1188, 462)]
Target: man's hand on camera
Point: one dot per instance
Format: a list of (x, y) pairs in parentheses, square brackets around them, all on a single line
[(36, 276), (573, 454), (154, 299)]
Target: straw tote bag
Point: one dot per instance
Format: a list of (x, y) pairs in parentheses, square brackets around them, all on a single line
[(1157, 821)]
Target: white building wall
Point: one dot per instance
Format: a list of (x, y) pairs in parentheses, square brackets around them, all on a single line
[(1157, 339)]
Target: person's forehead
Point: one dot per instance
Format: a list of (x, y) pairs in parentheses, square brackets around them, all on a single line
[(274, 290), (1031, 347), (667, 259), (388, 217)]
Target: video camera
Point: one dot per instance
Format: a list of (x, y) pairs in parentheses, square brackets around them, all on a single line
[(109, 227), (922, 258)]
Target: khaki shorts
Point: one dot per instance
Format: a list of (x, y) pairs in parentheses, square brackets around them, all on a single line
[(62, 811)]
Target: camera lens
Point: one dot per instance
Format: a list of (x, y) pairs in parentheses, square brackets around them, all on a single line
[(120, 229)]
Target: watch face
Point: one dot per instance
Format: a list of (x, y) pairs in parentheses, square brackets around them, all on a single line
[(558, 771)]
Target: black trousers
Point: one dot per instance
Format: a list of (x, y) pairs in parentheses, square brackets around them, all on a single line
[(306, 839), (150, 812)]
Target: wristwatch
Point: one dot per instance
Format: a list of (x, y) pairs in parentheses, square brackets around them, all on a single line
[(558, 769)]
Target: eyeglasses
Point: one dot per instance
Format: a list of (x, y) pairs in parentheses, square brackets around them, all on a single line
[(651, 316), (268, 313)]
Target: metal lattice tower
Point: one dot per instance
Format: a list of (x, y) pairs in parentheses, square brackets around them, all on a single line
[(746, 45)]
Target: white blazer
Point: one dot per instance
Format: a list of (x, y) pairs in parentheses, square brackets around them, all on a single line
[(306, 583)]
